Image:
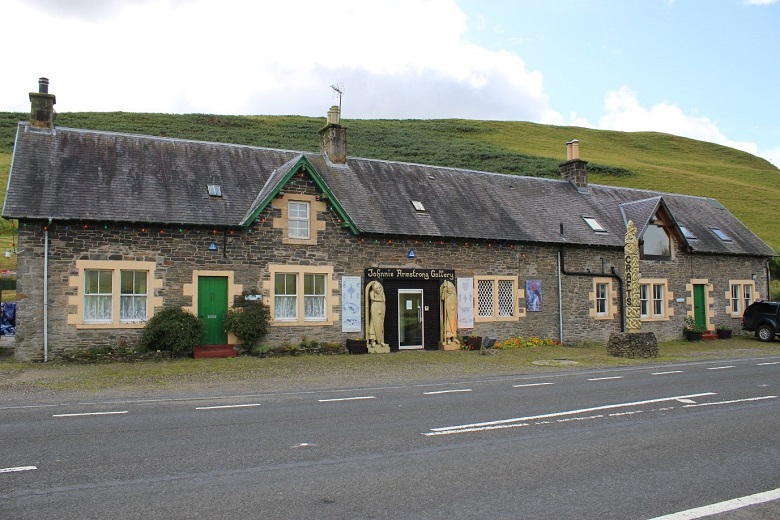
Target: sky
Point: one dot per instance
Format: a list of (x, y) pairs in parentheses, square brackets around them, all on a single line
[(704, 69)]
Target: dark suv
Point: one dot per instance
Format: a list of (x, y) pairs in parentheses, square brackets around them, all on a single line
[(764, 318)]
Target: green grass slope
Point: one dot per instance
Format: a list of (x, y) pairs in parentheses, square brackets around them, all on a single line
[(747, 185)]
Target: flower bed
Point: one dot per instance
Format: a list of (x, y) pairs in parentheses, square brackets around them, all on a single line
[(520, 342)]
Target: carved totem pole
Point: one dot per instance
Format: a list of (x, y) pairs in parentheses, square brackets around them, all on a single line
[(631, 253)]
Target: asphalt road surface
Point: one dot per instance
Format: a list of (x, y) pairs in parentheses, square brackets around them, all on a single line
[(629, 443)]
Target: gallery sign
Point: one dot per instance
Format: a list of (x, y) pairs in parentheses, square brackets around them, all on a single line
[(396, 273)]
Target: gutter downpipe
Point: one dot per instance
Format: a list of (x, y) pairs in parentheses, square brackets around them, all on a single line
[(611, 274), (560, 301), (46, 292)]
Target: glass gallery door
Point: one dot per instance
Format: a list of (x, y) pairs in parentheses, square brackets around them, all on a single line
[(410, 318)]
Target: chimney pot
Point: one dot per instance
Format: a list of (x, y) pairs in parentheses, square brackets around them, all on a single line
[(334, 115), (42, 106)]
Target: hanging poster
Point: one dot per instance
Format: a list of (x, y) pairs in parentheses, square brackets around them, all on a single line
[(350, 304), (533, 295), (465, 303)]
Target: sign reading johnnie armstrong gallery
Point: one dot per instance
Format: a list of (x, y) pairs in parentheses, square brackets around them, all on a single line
[(397, 273)]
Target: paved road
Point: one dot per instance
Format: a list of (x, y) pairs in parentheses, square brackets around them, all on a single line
[(615, 443)]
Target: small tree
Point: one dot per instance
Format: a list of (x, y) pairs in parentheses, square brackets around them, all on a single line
[(248, 320), (173, 329)]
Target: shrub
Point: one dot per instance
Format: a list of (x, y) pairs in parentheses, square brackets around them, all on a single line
[(248, 320), (173, 329)]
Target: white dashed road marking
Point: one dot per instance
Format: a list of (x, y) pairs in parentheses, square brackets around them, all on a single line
[(20, 468), (532, 384), (85, 414), (447, 391), (226, 406), (721, 507), (346, 399), (509, 423), (605, 378), (665, 373), (720, 368)]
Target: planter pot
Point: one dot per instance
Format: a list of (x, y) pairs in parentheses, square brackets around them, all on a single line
[(473, 342), (691, 335), (724, 334), (357, 346), (209, 351)]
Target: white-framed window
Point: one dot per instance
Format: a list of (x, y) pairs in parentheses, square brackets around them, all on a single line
[(497, 298), (644, 300), (658, 300), (313, 297), (298, 220), (113, 294), (133, 290), (98, 295), (286, 296), (301, 295), (602, 299), (654, 297), (741, 295)]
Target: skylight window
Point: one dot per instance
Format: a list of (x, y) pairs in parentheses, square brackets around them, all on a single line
[(215, 190), (418, 205), (687, 233), (720, 234), (594, 225)]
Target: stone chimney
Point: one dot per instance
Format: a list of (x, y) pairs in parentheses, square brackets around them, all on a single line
[(574, 170), (333, 138), (42, 106)]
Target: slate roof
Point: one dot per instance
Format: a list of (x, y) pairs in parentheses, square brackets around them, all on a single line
[(70, 174)]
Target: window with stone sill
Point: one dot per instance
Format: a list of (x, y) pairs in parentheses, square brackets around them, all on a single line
[(653, 300), (497, 298), (741, 295), (602, 298), (301, 295), (113, 294)]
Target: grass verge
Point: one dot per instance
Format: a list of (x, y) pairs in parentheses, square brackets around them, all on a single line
[(310, 372)]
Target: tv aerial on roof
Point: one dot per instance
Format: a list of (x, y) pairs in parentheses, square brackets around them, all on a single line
[(339, 89)]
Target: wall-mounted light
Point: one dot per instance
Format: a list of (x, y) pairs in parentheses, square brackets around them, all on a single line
[(213, 246), (753, 276), (411, 254)]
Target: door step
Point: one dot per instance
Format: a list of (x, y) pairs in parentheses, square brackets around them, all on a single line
[(209, 351)]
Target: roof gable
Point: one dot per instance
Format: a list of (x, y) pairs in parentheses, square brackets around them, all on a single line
[(280, 177)]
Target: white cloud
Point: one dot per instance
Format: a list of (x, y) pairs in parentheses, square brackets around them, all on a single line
[(760, 2), (396, 59)]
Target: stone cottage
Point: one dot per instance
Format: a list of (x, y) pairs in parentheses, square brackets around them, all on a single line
[(112, 227)]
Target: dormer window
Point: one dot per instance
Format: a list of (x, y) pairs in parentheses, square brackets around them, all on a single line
[(594, 224), (656, 242)]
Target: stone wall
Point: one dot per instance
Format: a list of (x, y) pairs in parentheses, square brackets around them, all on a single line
[(178, 250)]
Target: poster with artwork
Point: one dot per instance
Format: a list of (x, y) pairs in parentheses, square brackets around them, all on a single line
[(533, 295), (350, 304), (465, 303)]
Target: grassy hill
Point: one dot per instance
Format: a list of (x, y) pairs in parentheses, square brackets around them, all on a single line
[(747, 185)]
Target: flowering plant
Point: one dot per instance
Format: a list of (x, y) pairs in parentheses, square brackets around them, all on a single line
[(520, 342)]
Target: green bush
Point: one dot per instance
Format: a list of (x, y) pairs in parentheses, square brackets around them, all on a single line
[(173, 329), (248, 320)]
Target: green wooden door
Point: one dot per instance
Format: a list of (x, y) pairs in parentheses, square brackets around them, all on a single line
[(699, 309), (212, 307)]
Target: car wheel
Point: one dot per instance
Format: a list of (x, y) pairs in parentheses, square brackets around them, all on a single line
[(765, 333)]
